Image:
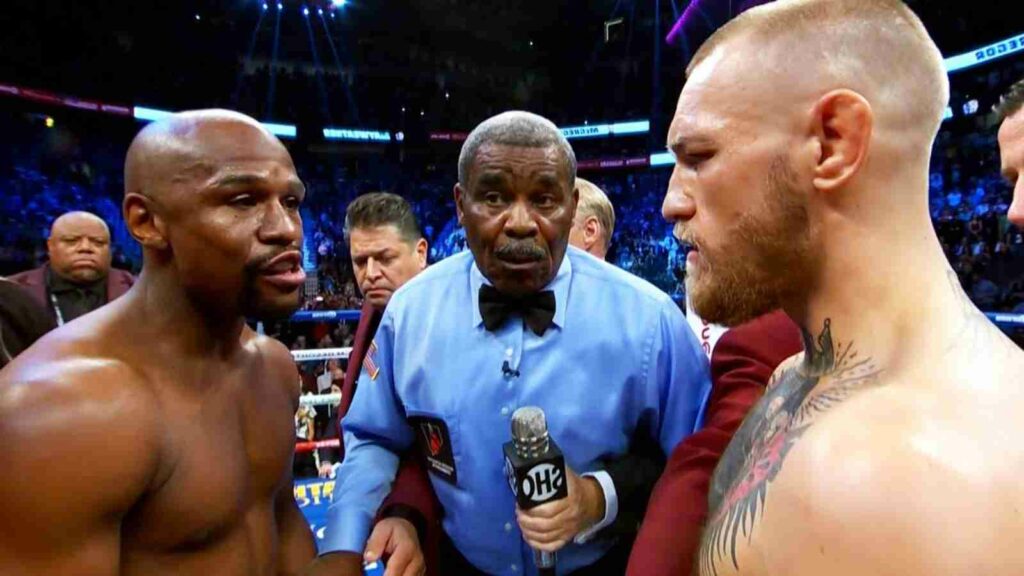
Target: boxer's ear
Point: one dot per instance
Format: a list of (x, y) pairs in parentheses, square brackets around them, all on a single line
[(842, 122), (144, 224)]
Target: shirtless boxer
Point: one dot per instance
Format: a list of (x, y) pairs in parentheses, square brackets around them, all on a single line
[(892, 446), (155, 436)]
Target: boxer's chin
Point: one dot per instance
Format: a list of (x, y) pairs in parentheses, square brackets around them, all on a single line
[(729, 301), (268, 309)]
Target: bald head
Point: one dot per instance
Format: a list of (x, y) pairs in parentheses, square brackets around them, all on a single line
[(190, 145), (79, 248)]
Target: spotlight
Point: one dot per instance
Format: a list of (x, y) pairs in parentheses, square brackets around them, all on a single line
[(305, 11), (198, 18), (339, 3), (332, 14), (49, 122), (422, 113), (320, 11), (400, 136), (280, 6), (447, 96), (265, 7)]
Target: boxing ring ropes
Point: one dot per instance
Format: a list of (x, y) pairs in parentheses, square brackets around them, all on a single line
[(314, 495), (1001, 319)]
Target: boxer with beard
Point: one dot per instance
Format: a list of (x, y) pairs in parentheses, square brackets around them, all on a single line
[(802, 138)]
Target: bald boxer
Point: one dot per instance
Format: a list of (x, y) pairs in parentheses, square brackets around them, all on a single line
[(594, 223), (1011, 147), (155, 436), (802, 141)]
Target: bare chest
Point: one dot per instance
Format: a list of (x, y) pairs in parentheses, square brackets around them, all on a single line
[(741, 484), (226, 450)]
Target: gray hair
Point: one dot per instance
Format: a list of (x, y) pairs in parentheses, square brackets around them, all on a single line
[(522, 129)]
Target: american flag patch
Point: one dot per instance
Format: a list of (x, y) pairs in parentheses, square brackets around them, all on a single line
[(370, 362)]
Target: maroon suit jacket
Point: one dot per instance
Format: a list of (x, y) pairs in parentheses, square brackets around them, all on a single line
[(34, 282), (741, 364), (411, 492)]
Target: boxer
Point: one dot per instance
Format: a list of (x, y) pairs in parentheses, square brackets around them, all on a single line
[(890, 447), (155, 435)]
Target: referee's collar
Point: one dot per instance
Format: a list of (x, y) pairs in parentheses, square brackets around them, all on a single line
[(559, 285)]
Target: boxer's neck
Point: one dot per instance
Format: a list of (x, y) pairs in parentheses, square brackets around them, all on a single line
[(167, 310), (883, 291)]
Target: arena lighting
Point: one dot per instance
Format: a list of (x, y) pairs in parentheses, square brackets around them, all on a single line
[(305, 11), (984, 54), (356, 135), (144, 114), (598, 130), (280, 6), (265, 7), (663, 159), (282, 130), (320, 11), (339, 3)]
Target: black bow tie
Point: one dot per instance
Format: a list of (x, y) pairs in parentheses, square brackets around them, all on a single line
[(538, 310)]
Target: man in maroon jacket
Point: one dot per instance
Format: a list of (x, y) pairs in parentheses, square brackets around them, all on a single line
[(387, 250), (78, 278), (742, 362)]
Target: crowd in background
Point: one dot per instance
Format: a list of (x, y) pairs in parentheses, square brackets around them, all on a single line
[(47, 172)]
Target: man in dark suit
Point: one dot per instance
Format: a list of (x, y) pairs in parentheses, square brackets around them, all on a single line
[(78, 278), (388, 250), (22, 321), (742, 362)]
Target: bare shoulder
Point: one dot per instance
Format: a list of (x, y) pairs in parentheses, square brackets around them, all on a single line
[(787, 365), (75, 393), (897, 481), (276, 358), (61, 413)]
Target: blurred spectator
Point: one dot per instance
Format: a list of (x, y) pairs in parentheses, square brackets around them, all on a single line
[(594, 225)]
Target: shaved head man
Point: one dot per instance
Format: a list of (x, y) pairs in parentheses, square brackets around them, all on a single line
[(79, 247), (890, 446), (182, 414), (78, 278), (594, 224)]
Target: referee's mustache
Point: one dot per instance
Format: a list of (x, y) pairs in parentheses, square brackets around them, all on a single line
[(520, 251)]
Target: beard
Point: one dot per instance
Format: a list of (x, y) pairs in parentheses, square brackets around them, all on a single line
[(765, 261)]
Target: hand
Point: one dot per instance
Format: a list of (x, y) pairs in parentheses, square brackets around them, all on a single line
[(326, 470), (549, 527), (396, 538)]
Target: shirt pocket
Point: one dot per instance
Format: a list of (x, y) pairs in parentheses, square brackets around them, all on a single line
[(436, 443)]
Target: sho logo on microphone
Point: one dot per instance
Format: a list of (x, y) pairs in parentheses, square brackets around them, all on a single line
[(542, 482)]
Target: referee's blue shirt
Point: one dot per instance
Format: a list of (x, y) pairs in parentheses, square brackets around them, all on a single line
[(619, 358)]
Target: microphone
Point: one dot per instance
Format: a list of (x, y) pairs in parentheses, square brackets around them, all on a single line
[(535, 469), (507, 371)]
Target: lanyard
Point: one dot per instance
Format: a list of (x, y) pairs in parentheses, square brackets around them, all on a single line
[(56, 308)]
